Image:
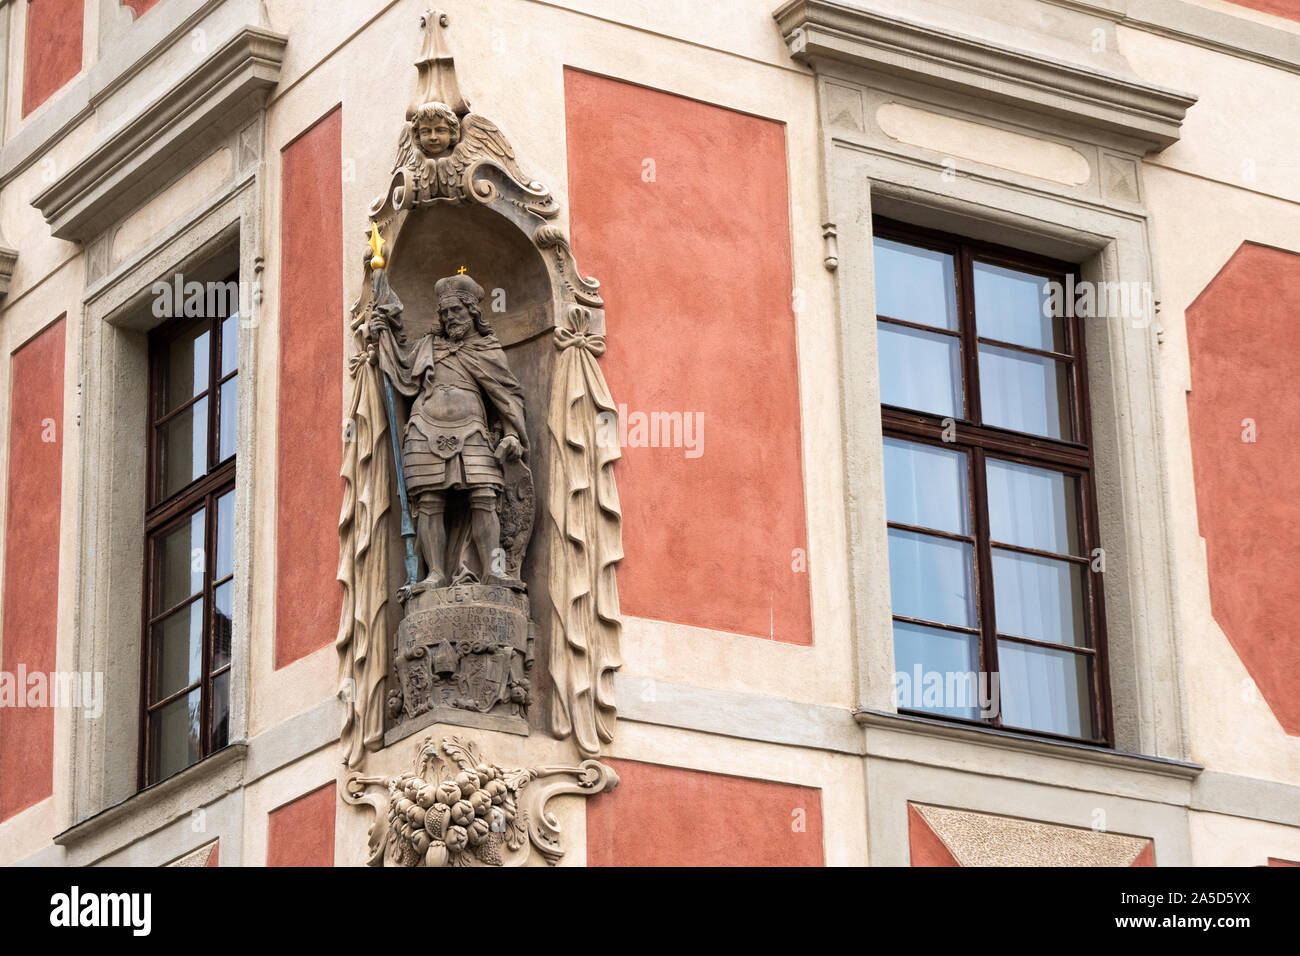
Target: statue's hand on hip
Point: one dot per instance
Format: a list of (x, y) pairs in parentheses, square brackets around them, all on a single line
[(509, 449)]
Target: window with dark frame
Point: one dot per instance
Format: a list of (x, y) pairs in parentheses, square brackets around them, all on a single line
[(994, 556), (189, 537)]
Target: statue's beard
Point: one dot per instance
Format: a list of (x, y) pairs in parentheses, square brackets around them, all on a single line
[(457, 330)]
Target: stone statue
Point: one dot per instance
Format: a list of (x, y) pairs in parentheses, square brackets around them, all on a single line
[(463, 650), (465, 641), (467, 420)]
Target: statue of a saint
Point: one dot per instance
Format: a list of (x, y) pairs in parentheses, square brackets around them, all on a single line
[(467, 420)]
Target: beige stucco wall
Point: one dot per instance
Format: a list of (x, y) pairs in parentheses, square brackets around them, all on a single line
[(511, 55), (1232, 178)]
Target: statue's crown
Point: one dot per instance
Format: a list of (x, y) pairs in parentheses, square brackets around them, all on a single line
[(458, 287)]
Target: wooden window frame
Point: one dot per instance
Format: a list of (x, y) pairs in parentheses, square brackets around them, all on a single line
[(978, 441), (165, 513)]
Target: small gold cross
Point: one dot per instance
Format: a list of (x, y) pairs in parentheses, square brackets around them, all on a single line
[(461, 270)]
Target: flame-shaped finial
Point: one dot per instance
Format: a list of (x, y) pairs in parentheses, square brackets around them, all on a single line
[(437, 68), (376, 245)]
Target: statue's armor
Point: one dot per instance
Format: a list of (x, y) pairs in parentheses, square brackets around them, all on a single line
[(446, 443)]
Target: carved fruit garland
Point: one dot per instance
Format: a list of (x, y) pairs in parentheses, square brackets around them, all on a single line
[(455, 809)]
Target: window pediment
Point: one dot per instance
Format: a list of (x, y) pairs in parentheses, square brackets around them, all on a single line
[(826, 34), (181, 125)]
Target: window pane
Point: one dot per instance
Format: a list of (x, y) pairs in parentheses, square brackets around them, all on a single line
[(1045, 689), (926, 486), (225, 534), (177, 654), (936, 671), (187, 366), (183, 447), (915, 284), (220, 710), (221, 625), (1027, 393), (1014, 307), (1033, 507), (174, 737), (229, 418), (1038, 597), (179, 562), (931, 578), (919, 370), (229, 344)]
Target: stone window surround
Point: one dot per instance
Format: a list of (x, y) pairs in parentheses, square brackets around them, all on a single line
[(878, 58), (1110, 246), (219, 238), (217, 106)]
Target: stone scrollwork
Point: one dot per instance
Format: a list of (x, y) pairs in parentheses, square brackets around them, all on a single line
[(456, 809)]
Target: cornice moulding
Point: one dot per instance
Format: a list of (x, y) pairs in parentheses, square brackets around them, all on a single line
[(186, 121), (172, 798), (8, 262), (820, 32), (1186, 22), (144, 44)]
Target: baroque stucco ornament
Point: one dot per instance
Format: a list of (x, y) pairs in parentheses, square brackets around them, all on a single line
[(455, 809), (505, 413)]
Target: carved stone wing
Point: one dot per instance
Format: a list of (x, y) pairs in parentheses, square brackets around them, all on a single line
[(405, 149), (481, 140)]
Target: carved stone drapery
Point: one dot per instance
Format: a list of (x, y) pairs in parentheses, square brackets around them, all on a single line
[(472, 167), (586, 540), (365, 531), (455, 809)]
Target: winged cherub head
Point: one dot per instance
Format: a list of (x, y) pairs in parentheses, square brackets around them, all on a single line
[(435, 129)]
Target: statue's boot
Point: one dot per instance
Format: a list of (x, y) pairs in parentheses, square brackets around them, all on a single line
[(432, 533)]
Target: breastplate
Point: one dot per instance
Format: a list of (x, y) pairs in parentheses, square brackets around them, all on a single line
[(444, 402)]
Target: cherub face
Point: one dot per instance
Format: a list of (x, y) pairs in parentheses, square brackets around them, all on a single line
[(434, 136)]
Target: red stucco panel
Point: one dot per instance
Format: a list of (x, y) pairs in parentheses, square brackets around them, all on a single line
[(140, 7), (1243, 335), (309, 490), (1281, 8), (668, 816), (53, 48), (301, 833), (924, 844), (30, 619), (680, 209)]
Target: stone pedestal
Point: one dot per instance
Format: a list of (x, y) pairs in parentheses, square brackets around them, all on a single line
[(462, 656)]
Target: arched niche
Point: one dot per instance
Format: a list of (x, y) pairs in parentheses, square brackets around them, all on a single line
[(440, 240), (527, 290)]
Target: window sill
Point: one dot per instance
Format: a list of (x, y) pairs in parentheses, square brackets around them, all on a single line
[(159, 804), (995, 739)]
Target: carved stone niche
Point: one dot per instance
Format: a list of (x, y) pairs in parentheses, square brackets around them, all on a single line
[(464, 654), (484, 444)]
